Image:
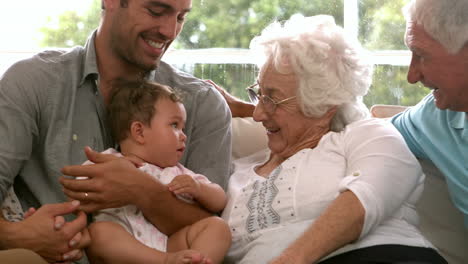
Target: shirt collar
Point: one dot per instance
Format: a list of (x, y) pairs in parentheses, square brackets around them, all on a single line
[(90, 61)]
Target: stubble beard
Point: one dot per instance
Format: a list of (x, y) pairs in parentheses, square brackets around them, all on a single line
[(129, 55)]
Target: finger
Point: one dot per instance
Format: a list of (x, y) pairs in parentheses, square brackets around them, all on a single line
[(83, 197), (172, 185), (75, 240), (29, 212), (80, 170), (135, 161), (210, 82), (85, 239), (175, 188), (97, 157), (90, 207), (72, 255), (80, 186), (182, 190), (59, 221), (61, 208), (215, 86), (75, 226)]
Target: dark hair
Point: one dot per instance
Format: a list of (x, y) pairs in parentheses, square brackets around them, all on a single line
[(132, 101)]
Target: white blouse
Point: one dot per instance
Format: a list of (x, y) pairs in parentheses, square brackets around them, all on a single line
[(369, 157)]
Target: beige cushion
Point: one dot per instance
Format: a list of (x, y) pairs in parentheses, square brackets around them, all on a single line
[(385, 111), (248, 137), (20, 256)]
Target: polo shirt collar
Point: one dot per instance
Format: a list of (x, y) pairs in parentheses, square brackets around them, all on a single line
[(459, 120)]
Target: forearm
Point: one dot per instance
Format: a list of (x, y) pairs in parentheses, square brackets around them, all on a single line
[(241, 109), (212, 197), (164, 210), (8, 234), (340, 224)]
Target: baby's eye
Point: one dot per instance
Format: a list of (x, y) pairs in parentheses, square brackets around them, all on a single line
[(174, 125)]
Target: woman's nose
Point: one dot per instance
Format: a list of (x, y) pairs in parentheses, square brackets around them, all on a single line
[(259, 113)]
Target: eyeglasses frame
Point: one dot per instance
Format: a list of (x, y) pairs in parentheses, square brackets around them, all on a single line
[(255, 98)]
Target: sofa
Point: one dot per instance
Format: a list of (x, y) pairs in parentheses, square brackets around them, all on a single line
[(440, 221)]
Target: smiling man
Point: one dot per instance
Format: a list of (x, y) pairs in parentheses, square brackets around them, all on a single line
[(54, 104), (437, 127)]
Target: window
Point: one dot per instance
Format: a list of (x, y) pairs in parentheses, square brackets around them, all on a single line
[(214, 42)]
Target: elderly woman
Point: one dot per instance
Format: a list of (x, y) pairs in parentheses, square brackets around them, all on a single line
[(333, 185)]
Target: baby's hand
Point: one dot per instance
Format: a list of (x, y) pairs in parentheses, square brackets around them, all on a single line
[(185, 184)]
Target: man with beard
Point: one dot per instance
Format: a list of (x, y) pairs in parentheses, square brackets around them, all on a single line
[(437, 128), (53, 105)]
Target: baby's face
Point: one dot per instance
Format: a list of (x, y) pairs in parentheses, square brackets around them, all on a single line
[(164, 138)]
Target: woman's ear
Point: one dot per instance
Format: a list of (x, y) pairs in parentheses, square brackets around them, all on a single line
[(326, 119), (137, 130), (332, 111)]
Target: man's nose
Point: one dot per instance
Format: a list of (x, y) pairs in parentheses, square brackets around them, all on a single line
[(414, 71), (169, 27)]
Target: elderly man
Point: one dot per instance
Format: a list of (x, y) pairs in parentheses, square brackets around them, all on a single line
[(53, 105), (437, 127)]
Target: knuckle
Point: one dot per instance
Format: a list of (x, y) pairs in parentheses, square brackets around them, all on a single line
[(78, 256), (67, 234)]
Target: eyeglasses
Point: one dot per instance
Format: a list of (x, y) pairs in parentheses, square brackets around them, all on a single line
[(269, 104)]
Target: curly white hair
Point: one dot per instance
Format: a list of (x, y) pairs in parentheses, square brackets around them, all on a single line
[(331, 67)]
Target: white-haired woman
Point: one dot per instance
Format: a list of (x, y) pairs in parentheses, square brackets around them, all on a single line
[(334, 185)]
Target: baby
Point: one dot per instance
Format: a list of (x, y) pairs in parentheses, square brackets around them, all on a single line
[(147, 119)]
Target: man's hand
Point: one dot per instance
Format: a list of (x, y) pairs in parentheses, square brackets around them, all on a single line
[(45, 232), (185, 184), (111, 182), (238, 107)]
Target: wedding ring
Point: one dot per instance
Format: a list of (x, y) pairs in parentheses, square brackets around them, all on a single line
[(86, 195)]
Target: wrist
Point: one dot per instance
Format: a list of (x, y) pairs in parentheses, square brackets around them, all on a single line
[(9, 232), (151, 190), (242, 109)]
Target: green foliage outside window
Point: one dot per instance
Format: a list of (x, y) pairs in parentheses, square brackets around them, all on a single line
[(70, 29), (233, 23)]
